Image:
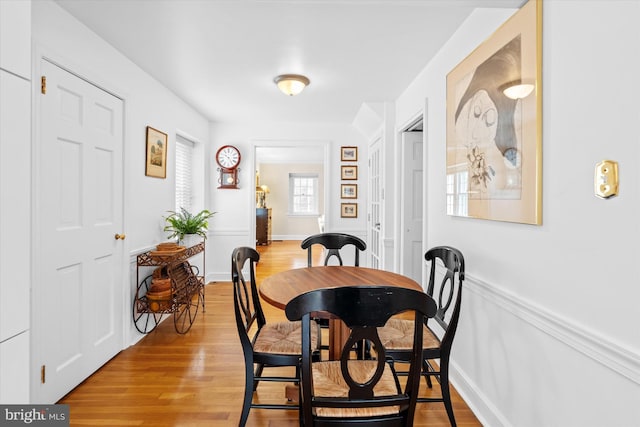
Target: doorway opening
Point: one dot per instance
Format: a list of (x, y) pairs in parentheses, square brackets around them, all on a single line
[(274, 165), (412, 196)]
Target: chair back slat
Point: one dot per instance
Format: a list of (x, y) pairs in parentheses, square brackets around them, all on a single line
[(449, 291), (363, 309), (333, 243), (245, 294)]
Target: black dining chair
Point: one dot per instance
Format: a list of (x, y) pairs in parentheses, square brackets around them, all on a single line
[(396, 334), (273, 344), (333, 244), (353, 391)]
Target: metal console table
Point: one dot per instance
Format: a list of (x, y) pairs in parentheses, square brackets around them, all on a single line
[(187, 290)]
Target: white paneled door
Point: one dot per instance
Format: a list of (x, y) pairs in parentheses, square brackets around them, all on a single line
[(411, 256), (375, 205), (78, 289)]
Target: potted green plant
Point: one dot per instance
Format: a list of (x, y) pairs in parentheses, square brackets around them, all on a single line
[(183, 224)]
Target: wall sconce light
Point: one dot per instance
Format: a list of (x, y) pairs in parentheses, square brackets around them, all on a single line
[(291, 84), (517, 89)]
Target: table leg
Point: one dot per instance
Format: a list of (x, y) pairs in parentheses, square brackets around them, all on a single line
[(338, 335)]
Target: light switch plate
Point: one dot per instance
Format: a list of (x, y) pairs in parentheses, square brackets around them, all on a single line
[(606, 179)]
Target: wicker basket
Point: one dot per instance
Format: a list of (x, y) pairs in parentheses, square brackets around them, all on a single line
[(167, 255), (160, 285), (159, 301), (167, 246)]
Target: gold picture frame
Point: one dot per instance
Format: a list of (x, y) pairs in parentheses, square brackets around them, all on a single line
[(494, 140), (349, 154), (348, 210), (348, 191), (348, 172), (156, 157)]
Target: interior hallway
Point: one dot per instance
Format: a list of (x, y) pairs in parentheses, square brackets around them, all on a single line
[(197, 379)]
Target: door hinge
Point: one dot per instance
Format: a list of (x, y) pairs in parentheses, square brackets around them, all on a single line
[(42, 374), (43, 84)]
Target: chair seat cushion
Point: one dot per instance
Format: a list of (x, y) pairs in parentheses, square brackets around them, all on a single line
[(329, 382), (284, 338), (397, 334)]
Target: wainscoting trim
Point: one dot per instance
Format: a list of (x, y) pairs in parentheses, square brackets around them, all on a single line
[(597, 347)]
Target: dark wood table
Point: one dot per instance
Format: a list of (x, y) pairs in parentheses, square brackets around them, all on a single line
[(280, 288)]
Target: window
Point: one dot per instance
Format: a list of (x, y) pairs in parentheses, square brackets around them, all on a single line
[(457, 193), (303, 194), (184, 173)]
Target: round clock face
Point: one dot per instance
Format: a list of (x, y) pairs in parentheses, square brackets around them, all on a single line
[(228, 157)]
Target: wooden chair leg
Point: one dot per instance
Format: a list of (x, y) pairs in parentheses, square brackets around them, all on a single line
[(249, 387), (446, 394)]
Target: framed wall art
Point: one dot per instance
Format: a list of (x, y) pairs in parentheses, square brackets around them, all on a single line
[(156, 159), (494, 124), (348, 191), (348, 210), (349, 154), (348, 172)]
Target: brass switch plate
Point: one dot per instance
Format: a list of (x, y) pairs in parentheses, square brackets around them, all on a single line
[(606, 179)]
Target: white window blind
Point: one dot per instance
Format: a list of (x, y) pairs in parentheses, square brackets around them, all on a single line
[(184, 173), (303, 194)]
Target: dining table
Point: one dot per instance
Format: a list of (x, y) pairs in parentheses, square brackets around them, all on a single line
[(280, 288)]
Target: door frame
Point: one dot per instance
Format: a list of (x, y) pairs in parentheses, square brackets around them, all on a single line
[(408, 139), (40, 54), (284, 144), (419, 116)]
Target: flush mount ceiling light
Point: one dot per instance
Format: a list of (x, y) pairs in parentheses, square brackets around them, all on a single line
[(291, 84)]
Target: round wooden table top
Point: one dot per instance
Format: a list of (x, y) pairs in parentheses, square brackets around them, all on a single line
[(280, 288)]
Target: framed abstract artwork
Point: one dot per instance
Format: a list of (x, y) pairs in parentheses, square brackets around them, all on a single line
[(156, 158), (494, 125)]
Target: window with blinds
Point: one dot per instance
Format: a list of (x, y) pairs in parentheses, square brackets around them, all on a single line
[(303, 194), (184, 173)]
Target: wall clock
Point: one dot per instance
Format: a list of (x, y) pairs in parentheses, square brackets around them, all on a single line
[(228, 158)]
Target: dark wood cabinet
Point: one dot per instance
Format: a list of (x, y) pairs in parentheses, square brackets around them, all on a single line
[(263, 226)]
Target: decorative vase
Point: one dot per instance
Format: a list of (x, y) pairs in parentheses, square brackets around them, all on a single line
[(190, 240)]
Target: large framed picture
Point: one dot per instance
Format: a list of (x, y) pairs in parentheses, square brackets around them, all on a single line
[(156, 159), (494, 125), (349, 172), (348, 191), (348, 210), (349, 154)]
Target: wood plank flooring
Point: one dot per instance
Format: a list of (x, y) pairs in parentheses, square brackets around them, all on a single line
[(197, 379)]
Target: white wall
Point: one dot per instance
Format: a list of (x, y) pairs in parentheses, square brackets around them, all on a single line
[(60, 37), (15, 194), (549, 330), (231, 226)]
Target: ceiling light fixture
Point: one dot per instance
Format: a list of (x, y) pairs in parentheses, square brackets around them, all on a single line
[(291, 84)]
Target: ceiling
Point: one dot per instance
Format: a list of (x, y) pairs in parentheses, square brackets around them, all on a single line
[(220, 56)]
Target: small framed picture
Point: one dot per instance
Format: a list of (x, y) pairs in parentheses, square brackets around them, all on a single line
[(349, 154), (348, 191), (349, 210), (156, 159), (349, 172)]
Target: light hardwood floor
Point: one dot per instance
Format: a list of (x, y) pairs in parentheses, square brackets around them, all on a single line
[(197, 379)]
